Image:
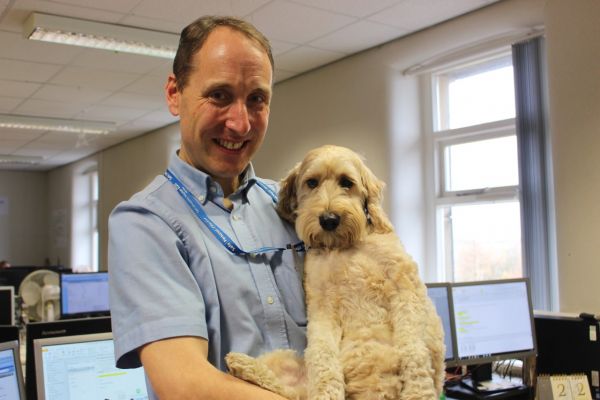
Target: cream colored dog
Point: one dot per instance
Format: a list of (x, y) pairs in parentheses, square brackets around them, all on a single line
[(372, 333)]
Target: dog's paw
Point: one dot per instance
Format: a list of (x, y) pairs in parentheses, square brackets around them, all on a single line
[(254, 371)]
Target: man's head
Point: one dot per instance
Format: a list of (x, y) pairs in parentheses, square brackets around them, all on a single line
[(222, 98), (194, 35)]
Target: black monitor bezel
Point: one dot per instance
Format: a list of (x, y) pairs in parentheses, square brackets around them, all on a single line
[(490, 358), (68, 327), (11, 306)]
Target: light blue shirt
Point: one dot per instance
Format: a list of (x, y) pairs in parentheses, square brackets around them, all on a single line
[(170, 277)]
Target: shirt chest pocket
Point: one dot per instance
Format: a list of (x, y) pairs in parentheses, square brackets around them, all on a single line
[(287, 267)]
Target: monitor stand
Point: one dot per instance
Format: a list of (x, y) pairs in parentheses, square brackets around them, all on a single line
[(485, 385)]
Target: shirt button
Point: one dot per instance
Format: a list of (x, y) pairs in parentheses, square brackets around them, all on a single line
[(270, 300), (201, 198), (236, 217)]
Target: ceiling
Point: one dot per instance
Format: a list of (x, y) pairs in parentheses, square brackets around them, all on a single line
[(60, 81)]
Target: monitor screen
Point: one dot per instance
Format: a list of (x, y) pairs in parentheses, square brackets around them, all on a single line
[(70, 327), (84, 294), (494, 320), (7, 305), (439, 293), (83, 367), (11, 376)]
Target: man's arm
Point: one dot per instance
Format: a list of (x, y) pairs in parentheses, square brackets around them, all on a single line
[(178, 369)]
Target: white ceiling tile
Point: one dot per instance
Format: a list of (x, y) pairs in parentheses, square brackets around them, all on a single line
[(294, 23), (94, 78), (358, 36), (55, 140), (159, 116), (9, 146), (123, 99), (356, 8), (15, 47), (148, 85), (21, 9), (26, 71), (189, 10), (19, 134), (419, 14), (160, 25), (278, 47), (39, 150), (18, 89), (51, 109), (120, 6), (109, 113), (113, 61), (8, 104), (305, 58), (71, 94)]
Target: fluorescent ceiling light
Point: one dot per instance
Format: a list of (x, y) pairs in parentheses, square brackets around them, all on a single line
[(99, 35), (9, 159), (55, 124)]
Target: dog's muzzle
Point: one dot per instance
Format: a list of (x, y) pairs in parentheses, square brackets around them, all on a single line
[(329, 221)]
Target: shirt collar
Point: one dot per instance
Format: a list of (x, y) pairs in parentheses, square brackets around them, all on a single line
[(199, 183)]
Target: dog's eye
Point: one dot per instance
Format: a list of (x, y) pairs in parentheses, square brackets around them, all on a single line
[(346, 183), (312, 183)]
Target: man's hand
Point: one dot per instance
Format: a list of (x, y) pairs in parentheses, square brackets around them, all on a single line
[(178, 369)]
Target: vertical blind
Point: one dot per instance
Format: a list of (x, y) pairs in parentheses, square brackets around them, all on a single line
[(532, 142)]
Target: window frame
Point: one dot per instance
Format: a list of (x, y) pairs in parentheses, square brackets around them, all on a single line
[(440, 140)]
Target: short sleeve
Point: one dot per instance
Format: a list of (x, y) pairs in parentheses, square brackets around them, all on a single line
[(153, 294)]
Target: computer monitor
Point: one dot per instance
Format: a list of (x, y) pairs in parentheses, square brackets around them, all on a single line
[(441, 296), (7, 305), (83, 294), (83, 367), (8, 333), (494, 321), (11, 375), (568, 344), (41, 330)]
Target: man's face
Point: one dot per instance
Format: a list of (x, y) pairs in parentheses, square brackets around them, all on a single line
[(224, 108)]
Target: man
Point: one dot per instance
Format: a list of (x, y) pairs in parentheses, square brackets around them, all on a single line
[(186, 286)]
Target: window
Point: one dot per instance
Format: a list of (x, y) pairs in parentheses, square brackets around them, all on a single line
[(478, 213), (85, 250)]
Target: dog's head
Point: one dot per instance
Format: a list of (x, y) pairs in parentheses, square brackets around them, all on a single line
[(333, 199)]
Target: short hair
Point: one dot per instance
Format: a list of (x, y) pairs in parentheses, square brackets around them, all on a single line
[(195, 34)]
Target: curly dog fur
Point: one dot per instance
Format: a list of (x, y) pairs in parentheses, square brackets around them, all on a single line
[(373, 333)]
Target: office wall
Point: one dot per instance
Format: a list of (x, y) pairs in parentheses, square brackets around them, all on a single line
[(123, 170), (23, 217), (573, 30)]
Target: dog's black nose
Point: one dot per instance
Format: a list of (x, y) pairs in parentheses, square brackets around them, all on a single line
[(329, 221)]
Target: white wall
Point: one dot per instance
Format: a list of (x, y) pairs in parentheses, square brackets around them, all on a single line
[(23, 217), (573, 32)]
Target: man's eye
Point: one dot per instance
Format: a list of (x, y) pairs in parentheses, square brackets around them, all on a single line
[(346, 183), (219, 96), (312, 183)]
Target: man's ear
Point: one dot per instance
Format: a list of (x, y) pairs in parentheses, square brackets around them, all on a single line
[(172, 95)]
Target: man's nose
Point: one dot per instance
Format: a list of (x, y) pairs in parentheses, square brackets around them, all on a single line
[(237, 118)]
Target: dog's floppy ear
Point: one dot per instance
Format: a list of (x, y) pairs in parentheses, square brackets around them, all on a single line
[(374, 196), (287, 204)]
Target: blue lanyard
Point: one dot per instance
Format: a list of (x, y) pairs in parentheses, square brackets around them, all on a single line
[(214, 228)]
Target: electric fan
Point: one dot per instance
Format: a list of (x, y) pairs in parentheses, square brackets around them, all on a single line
[(40, 294)]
